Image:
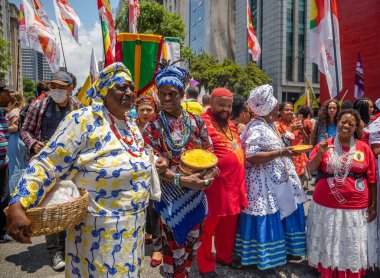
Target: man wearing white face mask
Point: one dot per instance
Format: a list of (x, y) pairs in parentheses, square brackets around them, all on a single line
[(41, 121), (44, 116)]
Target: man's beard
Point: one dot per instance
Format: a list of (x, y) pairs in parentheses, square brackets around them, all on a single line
[(221, 121)]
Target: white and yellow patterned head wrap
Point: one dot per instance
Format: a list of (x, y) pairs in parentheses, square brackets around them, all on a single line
[(115, 73)]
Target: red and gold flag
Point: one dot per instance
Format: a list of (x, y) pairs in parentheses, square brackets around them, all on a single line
[(66, 16)]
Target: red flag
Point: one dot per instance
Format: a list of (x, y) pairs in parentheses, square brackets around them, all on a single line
[(134, 12), (108, 30), (253, 43)]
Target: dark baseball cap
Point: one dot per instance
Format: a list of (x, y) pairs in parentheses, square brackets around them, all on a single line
[(5, 87), (61, 78)]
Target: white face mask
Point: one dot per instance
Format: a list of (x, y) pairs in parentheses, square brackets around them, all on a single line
[(58, 95)]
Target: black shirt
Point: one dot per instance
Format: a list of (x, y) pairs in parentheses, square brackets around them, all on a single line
[(53, 116)]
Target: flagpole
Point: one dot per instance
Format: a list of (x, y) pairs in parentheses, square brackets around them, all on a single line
[(63, 52), (334, 44)]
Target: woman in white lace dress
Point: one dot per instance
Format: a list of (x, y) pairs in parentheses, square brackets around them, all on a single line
[(273, 224), (344, 202)]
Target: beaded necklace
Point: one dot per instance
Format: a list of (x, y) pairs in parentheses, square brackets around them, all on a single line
[(125, 141), (231, 138), (175, 146)]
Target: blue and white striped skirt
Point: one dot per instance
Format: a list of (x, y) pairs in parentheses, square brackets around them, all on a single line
[(266, 240)]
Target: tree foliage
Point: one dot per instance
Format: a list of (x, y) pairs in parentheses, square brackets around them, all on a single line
[(153, 19), (5, 57), (212, 74), (29, 87)]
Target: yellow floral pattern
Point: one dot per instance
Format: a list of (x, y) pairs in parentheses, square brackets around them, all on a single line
[(110, 241)]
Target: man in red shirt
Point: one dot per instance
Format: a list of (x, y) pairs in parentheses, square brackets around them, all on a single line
[(228, 193)]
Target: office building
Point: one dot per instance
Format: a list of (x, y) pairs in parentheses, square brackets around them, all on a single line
[(9, 14), (283, 33), (35, 65)]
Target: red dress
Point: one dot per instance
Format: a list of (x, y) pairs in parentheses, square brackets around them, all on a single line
[(228, 193), (299, 160)]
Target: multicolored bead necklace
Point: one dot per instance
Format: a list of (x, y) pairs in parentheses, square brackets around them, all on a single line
[(175, 146), (125, 141)]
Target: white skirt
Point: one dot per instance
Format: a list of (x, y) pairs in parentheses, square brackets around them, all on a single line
[(338, 238)]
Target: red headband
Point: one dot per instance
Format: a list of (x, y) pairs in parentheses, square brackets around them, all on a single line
[(221, 92)]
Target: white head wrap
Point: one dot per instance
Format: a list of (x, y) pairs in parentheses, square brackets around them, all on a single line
[(261, 101), (377, 103)]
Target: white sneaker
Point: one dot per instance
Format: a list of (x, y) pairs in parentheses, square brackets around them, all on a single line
[(58, 261)]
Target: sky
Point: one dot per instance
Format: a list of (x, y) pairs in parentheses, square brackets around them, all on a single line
[(78, 56)]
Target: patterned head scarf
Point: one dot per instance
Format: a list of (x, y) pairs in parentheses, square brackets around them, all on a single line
[(115, 73), (147, 100), (172, 75), (261, 101)]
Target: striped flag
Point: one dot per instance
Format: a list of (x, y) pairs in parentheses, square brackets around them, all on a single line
[(139, 53), (171, 50), (39, 37), (134, 12), (253, 44), (359, 81), (67, 17), (108, 30), (322, 50)]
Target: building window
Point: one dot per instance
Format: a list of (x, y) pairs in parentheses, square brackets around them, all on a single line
[(289, 39), (254, 14), (290, 97), (315, 74), (301, 40)]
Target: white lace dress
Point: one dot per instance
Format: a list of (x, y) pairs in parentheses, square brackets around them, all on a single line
[(273, 224), (341, 240)]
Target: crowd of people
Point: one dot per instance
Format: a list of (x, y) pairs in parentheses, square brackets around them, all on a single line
[(251, 205)]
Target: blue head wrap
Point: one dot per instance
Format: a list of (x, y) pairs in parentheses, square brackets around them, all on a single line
[(172, 75)]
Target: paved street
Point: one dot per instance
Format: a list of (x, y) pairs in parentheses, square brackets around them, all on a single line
[(18, 261)]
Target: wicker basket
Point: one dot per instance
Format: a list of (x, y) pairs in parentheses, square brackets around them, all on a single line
[(58, 218)]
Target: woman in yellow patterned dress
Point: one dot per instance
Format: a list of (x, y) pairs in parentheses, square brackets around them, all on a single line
[(101, 150)]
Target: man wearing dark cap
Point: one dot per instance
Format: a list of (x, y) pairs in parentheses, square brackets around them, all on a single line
[(41, 121), (5, 98)]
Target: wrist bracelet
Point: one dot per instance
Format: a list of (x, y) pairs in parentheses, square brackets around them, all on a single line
[(177, 180)]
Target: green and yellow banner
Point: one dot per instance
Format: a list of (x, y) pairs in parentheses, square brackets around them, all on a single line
[(140, 54)]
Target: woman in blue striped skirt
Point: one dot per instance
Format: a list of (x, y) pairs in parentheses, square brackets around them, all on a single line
[(273, 224)]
